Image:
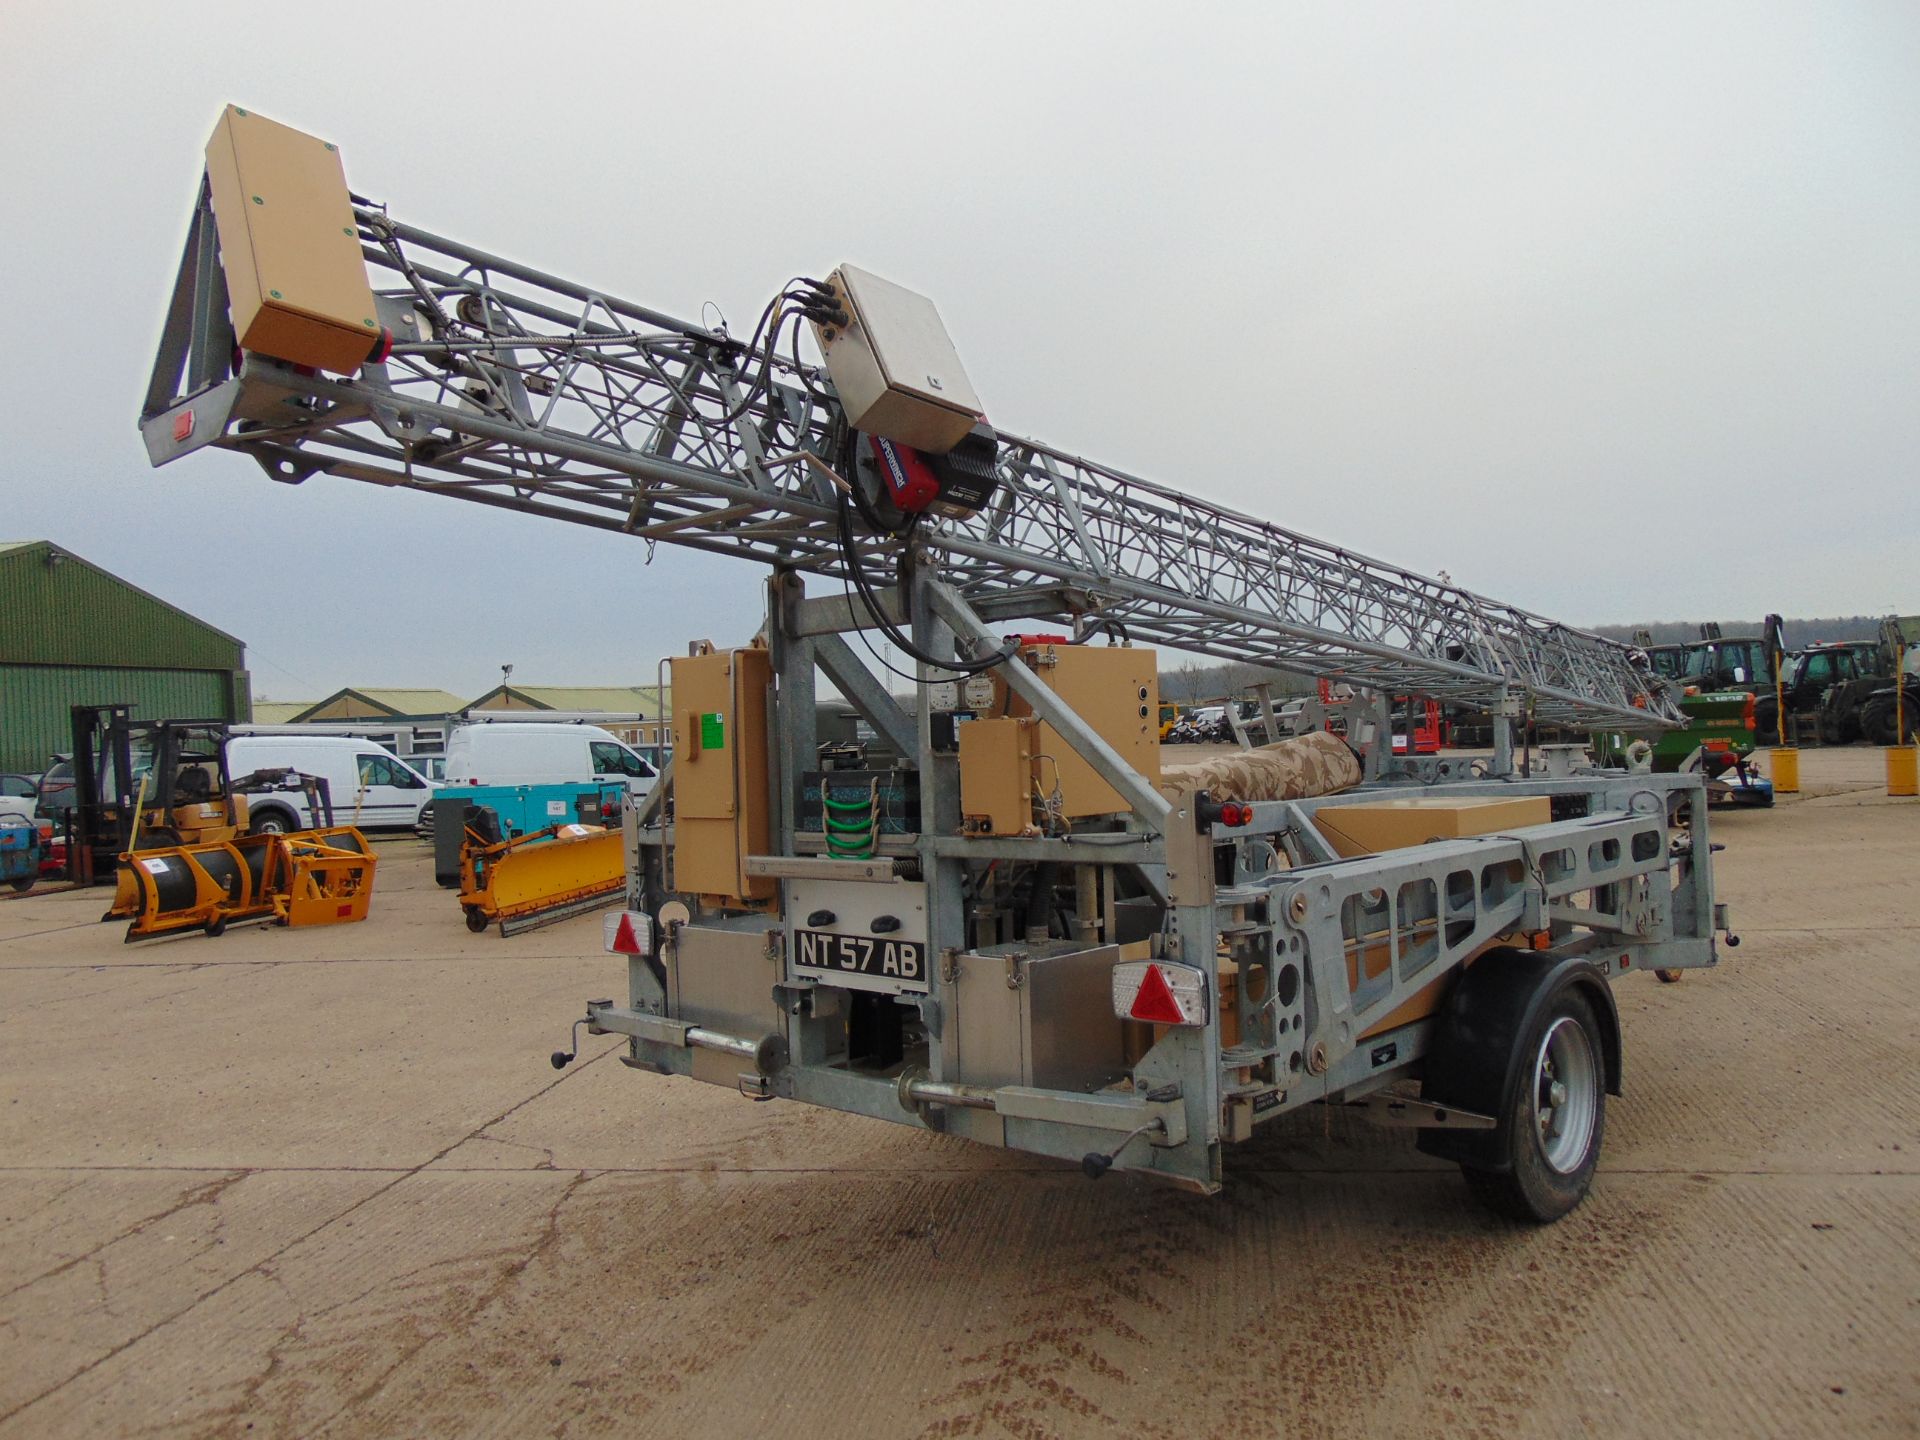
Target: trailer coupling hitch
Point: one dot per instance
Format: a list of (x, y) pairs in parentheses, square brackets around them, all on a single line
[(560, 1059), (1094, 1165)]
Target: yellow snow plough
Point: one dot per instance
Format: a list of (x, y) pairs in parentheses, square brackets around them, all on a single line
[(526, 881)]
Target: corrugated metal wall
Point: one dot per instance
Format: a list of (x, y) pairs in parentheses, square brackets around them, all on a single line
[(73, 613), (72, 634), (34, 702)]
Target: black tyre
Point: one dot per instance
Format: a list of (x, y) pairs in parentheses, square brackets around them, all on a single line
[(23, 884), (1878, 723), (215, 927), (1558, 1120), (273, 821), (476, 920)]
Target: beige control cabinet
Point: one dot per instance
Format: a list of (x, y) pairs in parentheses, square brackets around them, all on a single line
[(721, 788), (895, 367), (1115, 689)]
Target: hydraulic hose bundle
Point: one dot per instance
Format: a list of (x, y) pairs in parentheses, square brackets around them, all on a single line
[(852, 825)]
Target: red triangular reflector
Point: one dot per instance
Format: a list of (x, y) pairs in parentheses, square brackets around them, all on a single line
[(1154, 1000), (625, 942)]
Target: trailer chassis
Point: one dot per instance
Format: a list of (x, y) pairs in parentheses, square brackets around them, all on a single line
[(1611, 884)]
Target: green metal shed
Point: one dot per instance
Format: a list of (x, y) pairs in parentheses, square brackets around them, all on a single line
[(73, 634)]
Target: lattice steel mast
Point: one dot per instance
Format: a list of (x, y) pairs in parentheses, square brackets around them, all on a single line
[(510, 387)]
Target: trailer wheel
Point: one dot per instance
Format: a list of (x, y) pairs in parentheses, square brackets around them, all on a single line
[(22, 885), (1559, 1116), (476, 920)]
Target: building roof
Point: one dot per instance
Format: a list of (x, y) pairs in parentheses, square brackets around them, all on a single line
[(606, 699), (377, 703), (278, 712), (58, 608)]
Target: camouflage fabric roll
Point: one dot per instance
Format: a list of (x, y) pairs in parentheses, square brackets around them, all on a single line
[(1296, 769)]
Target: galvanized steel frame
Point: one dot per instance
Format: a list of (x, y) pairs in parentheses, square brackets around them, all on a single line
[(1437, 909)]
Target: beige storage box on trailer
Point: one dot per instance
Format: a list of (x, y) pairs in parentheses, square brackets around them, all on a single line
[(1370, 828)]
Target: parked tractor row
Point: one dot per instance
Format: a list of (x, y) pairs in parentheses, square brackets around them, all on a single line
[(1833, 692)]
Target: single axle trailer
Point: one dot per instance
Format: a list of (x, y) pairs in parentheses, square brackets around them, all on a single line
[(1016, 925)]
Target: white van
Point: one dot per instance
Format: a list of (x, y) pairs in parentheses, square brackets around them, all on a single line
[(534, 752), (368, 785)]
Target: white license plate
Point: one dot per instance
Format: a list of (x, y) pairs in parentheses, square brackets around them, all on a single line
[(883, 958)]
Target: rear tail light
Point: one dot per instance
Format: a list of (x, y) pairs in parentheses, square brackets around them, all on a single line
[(1209, 812), (628, 932), (1160, 993)]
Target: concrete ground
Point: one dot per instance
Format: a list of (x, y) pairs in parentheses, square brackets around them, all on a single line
[(324, 1183)]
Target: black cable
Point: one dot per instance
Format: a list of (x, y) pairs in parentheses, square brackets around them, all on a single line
[(846, 586), (867, 644), (879, 659), (766, 355), (819, 397), (850, 555)]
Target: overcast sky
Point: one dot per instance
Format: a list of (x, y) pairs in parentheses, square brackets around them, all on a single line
[(1609, 311)]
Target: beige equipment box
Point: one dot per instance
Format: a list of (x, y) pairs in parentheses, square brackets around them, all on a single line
[(1115, 689), (296, 283), (996, 776), (894, 366), (1395, 824), (721, 792)]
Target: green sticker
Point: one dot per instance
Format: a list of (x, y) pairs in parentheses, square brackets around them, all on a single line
[(713, 730)]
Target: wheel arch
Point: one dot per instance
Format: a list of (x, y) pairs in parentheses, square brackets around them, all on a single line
[(1472, 1061)]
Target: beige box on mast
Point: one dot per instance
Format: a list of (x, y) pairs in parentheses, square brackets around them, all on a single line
[(296, 282), (895, 367)]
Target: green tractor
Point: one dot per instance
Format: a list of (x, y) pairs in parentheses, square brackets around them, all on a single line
[(1717, 682), (1843, 691), (1668, 661), (1824, 688)]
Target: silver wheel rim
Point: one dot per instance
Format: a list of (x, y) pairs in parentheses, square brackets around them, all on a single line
[(1566, 1094)]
